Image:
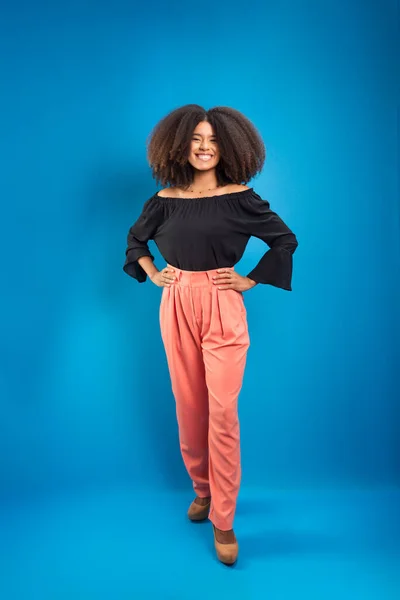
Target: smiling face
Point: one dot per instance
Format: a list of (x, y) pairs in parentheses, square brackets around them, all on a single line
[(204, 153)]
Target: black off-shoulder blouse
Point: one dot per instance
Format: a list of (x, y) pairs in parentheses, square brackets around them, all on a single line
[(201, 234)]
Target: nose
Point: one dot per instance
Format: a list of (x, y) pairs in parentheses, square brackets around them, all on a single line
[(203, 145)]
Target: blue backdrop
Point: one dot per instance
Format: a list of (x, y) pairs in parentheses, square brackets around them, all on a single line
[(85, 393)]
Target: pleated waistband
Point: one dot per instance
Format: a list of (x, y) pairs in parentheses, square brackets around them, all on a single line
[(195, 278)]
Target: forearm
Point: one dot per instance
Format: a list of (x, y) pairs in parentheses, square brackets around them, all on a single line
[(148, 266)]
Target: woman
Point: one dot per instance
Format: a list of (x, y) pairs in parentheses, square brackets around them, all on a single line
[(201, 224)]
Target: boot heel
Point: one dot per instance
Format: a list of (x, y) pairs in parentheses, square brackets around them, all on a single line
[(226, 553), (197, 512)]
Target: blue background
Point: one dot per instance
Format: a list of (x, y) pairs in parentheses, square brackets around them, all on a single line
[(85, 401)]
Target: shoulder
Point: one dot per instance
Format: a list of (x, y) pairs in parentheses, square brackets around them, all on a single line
[(151, 206), (166, 193), (253, 202), (234, 187)]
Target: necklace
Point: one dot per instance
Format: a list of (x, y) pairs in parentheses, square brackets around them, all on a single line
[(202, 191)]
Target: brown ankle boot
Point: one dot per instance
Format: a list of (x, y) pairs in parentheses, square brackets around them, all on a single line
[(199, 512), (227, 552)]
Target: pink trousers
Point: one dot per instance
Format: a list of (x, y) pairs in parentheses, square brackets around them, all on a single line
[(205, 335)]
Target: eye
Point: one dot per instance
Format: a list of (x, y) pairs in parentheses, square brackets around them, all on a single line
[(212, 141)]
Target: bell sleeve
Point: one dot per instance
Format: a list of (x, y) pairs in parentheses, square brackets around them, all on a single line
[(139, 234), (275, 267)]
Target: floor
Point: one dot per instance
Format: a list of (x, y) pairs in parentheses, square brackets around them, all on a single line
[(119, 544)]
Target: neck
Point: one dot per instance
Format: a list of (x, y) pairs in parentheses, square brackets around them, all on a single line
[(205, 180)]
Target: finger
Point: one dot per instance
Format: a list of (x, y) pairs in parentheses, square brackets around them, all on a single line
[(223, 276), (224, 271), (222, 280), (227, 286)]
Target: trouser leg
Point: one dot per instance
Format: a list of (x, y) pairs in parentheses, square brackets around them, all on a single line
[(225, 344), (185, 362)]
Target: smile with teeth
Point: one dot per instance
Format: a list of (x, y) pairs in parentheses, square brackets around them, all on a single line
[(204, 157)]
